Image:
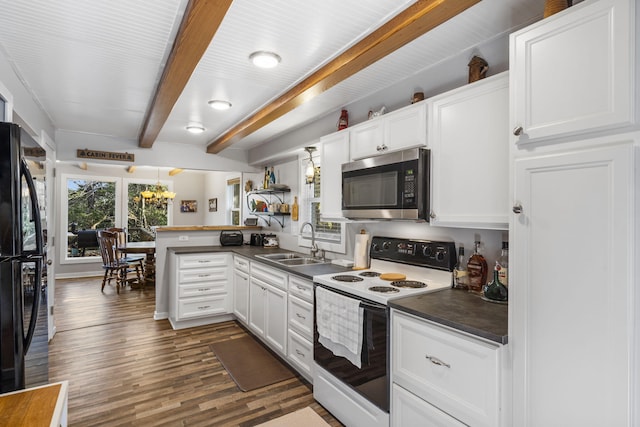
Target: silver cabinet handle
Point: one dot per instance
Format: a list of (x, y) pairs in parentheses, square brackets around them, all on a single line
[(300, 316), (517, 208), (378, 148), (432, 215), (517, 131), (437, 361), (299, 353)]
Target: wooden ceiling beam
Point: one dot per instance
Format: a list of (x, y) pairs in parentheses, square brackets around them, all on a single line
[(175, 171), (416, 20), (199, 24)]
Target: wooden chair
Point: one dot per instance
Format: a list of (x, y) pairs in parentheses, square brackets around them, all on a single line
[(113, 264), (122, 242)]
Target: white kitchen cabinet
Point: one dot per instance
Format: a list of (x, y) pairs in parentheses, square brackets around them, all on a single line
[(573, 284), (574, 72), (201, 290), (411, 411), (454, 373), (398, 130), (334, 152), (268, 306), (241, 289), (300, 324), (469, 141)]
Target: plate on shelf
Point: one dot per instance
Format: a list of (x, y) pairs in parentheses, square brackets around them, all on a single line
[(278, 187)]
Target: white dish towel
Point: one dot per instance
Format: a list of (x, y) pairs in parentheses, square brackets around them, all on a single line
[(339, 319)]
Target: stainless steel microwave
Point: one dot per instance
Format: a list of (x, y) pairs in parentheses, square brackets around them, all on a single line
[(390, 186)]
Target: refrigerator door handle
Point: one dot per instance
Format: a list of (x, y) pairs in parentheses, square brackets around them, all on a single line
[(36, 257), (35, 209)]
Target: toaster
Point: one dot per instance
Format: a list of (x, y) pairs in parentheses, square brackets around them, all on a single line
[(231, 238)]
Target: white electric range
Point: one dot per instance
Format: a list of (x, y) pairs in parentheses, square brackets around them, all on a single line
[(362, 376)]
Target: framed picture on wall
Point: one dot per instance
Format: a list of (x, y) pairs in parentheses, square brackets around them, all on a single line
[(213, 205), (188, 206)]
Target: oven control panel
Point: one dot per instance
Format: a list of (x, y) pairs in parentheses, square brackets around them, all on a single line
[(424, 253)]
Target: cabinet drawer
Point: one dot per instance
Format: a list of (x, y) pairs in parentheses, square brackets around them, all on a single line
[(301, 316), (241, 264), (269, 275), (201, 275), (457, 374), (202, 260), (301, 353), (198, 289), (408, 410), (201, 306), (301, 288)]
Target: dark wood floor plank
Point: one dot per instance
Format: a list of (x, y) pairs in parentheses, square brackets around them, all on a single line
[(126, 369)]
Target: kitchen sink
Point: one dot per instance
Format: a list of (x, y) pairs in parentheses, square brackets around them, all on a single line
[(280, 256), (300, 261), (291, 259)]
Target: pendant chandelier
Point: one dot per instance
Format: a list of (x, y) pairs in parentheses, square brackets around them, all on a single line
[(158, 195)]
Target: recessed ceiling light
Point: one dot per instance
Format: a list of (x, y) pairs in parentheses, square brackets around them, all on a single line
[(195, 128), (264, 59), (218, 104)]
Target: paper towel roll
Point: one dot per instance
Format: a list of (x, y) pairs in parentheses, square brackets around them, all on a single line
[(361, 251)]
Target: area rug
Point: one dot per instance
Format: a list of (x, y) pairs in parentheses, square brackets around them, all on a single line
[(249, 364), (306, 417)]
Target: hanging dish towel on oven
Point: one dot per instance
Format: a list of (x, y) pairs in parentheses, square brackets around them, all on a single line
[(339, 319)]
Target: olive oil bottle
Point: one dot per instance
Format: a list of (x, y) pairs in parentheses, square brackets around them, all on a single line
[(477, 270)]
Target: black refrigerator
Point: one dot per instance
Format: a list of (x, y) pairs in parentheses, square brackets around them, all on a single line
[(22, 293)]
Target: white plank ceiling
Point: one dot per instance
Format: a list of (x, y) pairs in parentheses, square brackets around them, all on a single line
[(93, 65)]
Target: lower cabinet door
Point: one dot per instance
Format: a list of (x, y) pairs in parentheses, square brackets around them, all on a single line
[(276, 319), (241, 296), (408, 410), (257, 313)]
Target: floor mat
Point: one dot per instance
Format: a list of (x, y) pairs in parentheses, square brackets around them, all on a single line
[(249, 364), (306, 417)]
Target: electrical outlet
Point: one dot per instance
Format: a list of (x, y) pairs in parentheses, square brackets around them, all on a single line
[(183, 238)]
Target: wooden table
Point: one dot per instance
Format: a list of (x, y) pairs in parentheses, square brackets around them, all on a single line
[(149, 249), (39, 406)]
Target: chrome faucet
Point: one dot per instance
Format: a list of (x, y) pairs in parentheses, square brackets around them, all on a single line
[(314, 246)]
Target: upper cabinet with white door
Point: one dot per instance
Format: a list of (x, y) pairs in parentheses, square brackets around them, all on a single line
[(398, 130), (469, 141), (575, 72), (334, 152)]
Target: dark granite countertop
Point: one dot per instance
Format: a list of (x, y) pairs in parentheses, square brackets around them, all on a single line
[(459, 310), (305, 271)]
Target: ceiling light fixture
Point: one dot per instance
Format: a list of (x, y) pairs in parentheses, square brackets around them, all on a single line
[(195, 128), (218, 104), (264, 59), (310, 170)]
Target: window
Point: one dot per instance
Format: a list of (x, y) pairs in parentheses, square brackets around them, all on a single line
[(143, 216), (88, 204), (233, 201), (330, 235)]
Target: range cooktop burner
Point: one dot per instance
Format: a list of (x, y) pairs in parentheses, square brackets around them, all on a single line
[(347, 278), (384, 289), (408, 284), (369, 274)]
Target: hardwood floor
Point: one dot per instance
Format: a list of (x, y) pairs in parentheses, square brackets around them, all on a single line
[(126, 369)]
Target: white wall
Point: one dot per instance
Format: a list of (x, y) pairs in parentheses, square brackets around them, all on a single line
[(215, 186)]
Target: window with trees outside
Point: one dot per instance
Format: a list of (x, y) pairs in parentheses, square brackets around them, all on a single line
[(93, 203)]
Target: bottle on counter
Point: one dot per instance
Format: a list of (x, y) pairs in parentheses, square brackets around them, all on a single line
[(494, 290), (477, 270), (503, 261), (460, 274), (294, 209), (265, 181)]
